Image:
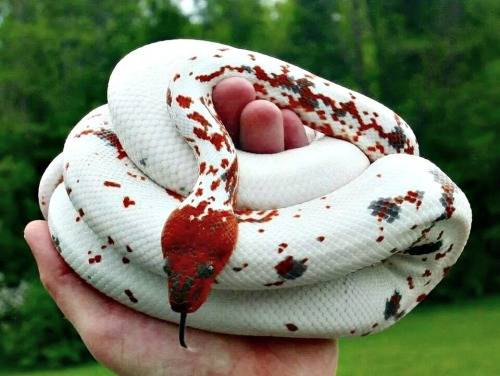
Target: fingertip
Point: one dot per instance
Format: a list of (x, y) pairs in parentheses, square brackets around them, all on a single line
[(50, 264), (294, 131), (33, 228), (261, 128), (230, 96)]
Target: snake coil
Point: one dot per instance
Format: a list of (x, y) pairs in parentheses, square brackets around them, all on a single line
[(342, 237)]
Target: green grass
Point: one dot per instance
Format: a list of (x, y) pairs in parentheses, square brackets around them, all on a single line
[(447, 340), (85, 370)]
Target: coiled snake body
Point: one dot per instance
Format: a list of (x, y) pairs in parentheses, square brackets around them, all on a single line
[(342, 237)]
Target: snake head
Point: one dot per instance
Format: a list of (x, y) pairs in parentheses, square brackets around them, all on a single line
[(197, 243)]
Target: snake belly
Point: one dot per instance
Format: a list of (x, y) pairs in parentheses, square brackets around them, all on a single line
[(340, 238)]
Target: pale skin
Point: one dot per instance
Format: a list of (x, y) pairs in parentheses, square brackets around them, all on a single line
[(131, 343)]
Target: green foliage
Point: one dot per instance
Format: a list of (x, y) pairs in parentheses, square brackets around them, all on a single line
[(35, 333), (436, 62)]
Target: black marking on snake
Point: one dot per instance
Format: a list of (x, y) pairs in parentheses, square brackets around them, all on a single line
[(397, 138), (385, 209), (424, 249), (392, 306), (56, 242)]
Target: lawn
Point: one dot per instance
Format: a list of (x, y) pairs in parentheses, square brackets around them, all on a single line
[(448, 340), (445, 340)]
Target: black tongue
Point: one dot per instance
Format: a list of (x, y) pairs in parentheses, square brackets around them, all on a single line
[(182, 329)]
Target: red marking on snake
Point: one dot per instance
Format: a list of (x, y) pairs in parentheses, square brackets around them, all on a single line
[(169, 97), (108, 183), (413, 197), (260, 88), (96, 259), (217, 73), (174, 194), (290, 268), (441, 255), (127, 201), (177, 76), (81, 213), (409, 279), (199, 118), (136, 176), (260, 217), (239, 269), (321, 114), (107, 135), (231, 180), (212, 170), (192, 238), (261, 230), (214, 184), (446, 271), (224, 163), (320, 238), (421, 297), (380, 238), (131, 296), (184, 102), (199, 192), (202, 167), (427, 273), (291, 327), (215, 139), (282, 246)]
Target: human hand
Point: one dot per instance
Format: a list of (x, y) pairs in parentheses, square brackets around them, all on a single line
[(131, 343)]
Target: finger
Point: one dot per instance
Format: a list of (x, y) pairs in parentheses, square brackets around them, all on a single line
[(295, 134), (76, 299), (261, 128), (230, 96)]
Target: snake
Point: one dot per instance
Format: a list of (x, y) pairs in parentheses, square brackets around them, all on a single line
[(151, 203)]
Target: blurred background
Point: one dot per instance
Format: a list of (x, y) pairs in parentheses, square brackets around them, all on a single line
[(435, 62)]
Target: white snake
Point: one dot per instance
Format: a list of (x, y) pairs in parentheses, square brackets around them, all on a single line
[(342, 237)]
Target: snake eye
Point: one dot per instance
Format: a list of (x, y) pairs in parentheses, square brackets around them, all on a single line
[(166, 268), (205, 270)]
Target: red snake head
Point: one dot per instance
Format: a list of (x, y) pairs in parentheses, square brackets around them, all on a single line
[(196, 242)]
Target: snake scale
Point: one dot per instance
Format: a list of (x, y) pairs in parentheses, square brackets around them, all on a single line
[(342, 237)]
